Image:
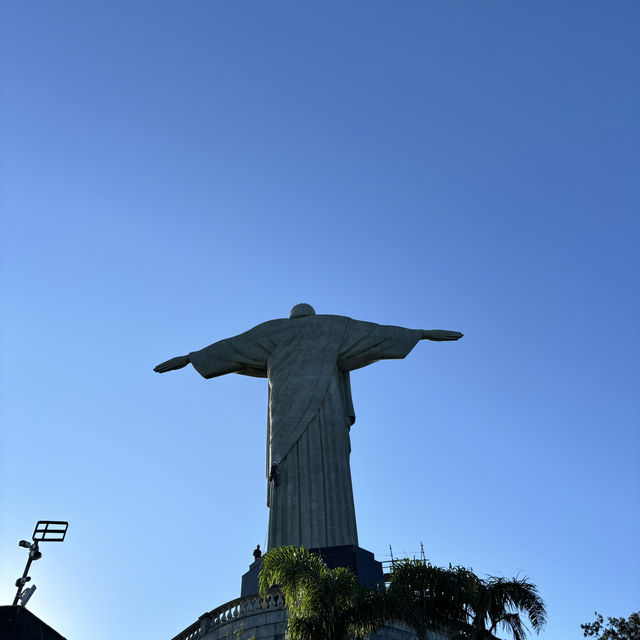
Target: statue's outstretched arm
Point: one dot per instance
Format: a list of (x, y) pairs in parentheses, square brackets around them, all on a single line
[(171, 365), (440, 335)]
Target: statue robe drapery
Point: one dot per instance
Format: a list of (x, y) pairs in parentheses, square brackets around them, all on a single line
[(307, 362)]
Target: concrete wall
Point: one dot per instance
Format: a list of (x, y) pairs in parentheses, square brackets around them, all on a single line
[(261, 625), (265, 618), (271, 625)]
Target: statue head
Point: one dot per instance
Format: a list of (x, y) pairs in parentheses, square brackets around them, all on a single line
[(302, 310)]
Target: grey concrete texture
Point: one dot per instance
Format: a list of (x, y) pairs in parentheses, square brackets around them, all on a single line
[(272, 625), (266, 619)]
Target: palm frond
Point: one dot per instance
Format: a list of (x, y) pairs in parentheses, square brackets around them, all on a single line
[(513, 623), (521, 595), (330, 604), (307, 628), (289, 568)]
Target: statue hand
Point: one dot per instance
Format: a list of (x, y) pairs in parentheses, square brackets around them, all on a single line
[(171, 365), (440, 335)]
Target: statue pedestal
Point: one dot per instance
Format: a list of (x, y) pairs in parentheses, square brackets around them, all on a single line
[(265, 618), (359, 560)]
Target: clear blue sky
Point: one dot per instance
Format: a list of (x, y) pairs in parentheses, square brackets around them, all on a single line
[(175, 173)]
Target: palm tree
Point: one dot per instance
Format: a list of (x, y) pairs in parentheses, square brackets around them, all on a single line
[(459, 602), (428, 597), (330, 604), (323, 603), (497, 602)]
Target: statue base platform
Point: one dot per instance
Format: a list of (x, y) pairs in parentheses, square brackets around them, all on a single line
[(359, 560), (256, 618)]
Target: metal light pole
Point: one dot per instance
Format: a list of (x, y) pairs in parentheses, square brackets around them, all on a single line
[(45, 531)]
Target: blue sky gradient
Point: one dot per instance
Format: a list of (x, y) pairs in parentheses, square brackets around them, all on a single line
[(175, 173)]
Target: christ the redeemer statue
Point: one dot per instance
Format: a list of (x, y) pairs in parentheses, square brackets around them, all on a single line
[(307, 359)]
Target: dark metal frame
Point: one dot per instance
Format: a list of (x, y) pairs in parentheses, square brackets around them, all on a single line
[(42, 532), (45, 531)]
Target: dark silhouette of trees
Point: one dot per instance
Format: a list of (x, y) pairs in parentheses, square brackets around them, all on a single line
[(614, 629)]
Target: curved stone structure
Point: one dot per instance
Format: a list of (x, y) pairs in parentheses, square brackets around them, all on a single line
[(256, 618)]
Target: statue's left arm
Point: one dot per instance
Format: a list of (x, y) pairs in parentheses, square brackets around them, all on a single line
[(366, 342), (440, 335)]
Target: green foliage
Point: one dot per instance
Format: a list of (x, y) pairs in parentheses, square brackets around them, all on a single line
[(495, 602), (323, 603), (456, 598), (615, 628), (425, 596), (330, 604)]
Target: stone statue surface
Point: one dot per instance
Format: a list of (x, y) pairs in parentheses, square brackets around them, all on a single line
[(307, 359)]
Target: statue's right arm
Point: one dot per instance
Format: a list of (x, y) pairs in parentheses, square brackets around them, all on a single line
[(171, 365)]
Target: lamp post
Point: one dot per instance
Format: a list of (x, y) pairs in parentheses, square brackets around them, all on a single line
[(45, 531)]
